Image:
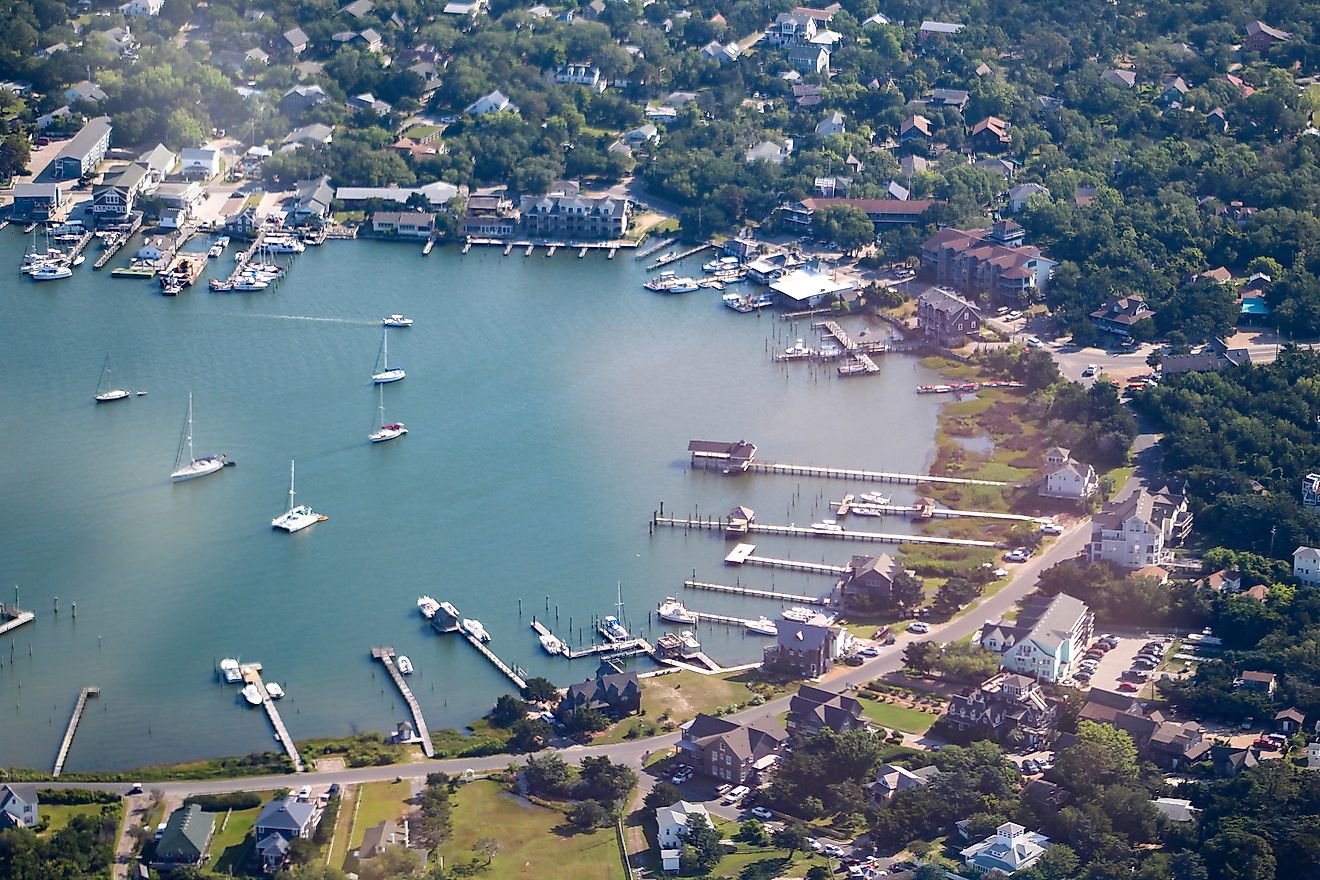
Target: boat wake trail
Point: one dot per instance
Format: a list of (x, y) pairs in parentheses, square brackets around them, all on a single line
[(315, 318)]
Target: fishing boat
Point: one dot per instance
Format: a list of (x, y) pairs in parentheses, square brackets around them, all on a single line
[(103, 394), (672, 610), (142, 392), (737, 302), (863, 510), (682, 285), (798, 349), (405, 665), (552, 644), (611, 629), (385, 373), (186, 466), (827, 526), (388, 430), (934, 389), (474, 628), (397, 321), (51, 272), (299, 517), (230, 671), (283, 244), (427, 606), (78, 260), (720, 264), (274, 690), (659, 282), (798, 614), (762, 626), (251, 694)]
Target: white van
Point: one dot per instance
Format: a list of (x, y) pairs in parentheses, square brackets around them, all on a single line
[(736, 794)]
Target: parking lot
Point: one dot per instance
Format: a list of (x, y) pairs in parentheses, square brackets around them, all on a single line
[(1108, 674)]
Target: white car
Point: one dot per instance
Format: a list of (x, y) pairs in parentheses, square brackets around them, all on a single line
[(763, 814), (1090, 371), (736, 794), (1034, 342), (834, 850), (919, 627), (1051, 529)]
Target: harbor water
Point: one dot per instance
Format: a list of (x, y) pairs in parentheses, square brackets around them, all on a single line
[(549, 404)]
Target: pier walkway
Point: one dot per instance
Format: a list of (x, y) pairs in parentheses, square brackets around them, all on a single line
[(653, 248), (14, 618), (925, 511), (683, 255), (860, 365), (807, 532), (83, 697), (499, 664), (386, 656), (252, 675), (774, 467), (625, 648), (114, 245), (755, 593), (743, 554)]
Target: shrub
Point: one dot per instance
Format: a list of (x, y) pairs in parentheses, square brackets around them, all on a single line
[(218, 803)]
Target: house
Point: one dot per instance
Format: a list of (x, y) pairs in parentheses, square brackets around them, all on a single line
[(437, 194), (59, 116), (52, 50), (1049, 635), (807, 650), (810, 58), (245, 224), (403, 224), (1137, 531), (812, 286), (1176, 809), (199, 164), (1311, 490), (1289, 721), (1168, 744), (832, 124), (1046, 794), (1019, 196), (159, 162), (722, 455), (84, 151), (281, 822), (358, 8), (184, 197), (296, 40), (890, 779), (114, 199), (791, 29), (36, 202), (465, 8), (1009, 707), (1011, 848), (871, 577), (119, 40), (1260, 36), (582, 73), (495, 102), (370, 39), (19, 806), (316, 134), (1223, 581), (85, 91), (991, 135), (1173, 93), (643, 134), (1229, 761), (378, 838), (1243, 89), (726, 750), (1067, 478), (311, 201), (1212, 357), (725, 53), (301, 98), (883, 213), (915, 127), (491, 216), (814, 709), (1121, 314), (671, 827), (1306, 566), (1123, 79), (913, 165), (574, 217), (1313, 756), (616, 694), (770, 151), (955, 99), (1262, 682), (141, 8), (370, 103), (186, 839), (806, 94), (945, 317), (936, 30)]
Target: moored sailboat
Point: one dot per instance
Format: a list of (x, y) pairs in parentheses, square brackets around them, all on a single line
[(386, 373), (186, 467), (298, 517), (388, 430), (103, 394)]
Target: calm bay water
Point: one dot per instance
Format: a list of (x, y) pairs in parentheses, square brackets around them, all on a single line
[(549, 403)]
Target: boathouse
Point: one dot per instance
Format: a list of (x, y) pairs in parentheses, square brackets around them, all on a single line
[(722, 456)]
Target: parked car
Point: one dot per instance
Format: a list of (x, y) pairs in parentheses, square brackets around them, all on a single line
[(1051, 529), (1266, 743), (1034, 342), (1030, 766), (833, 850), (870, 651), (1127, 687), (1082, 675), (762, 813), (814, 845), (1134, 675), (920, 627), (1089, 371), (736, 794), (854, 660)]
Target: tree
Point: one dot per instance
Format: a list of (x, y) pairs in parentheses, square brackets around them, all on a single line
[(921, 656), (603, 780), (1238, 855), (846, 225), (701, 845), (530, 735), (1102, 755), (488, 847), (540, 690), (751, 831), (792, 837), (663, 794), (820, 872), (588, 814), (508, 710), (302, 851), (547, 775)]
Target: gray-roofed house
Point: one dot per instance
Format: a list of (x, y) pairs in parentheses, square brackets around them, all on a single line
[(85, 91), (805, 649), (955, 98), (159, 162), (1008, 707), (1011, 848), (945, 317), (832, 123), (936, 30), (19, 806), (370, 39), (574, 217), (770, 151), (1067, 478), (1174, 92), (1049, 635), (85, 150), (495, 102), (316, 134), (871, 579), (287, 818), (36, 201), (1176, 809), (199, 163), (1137, 531), (616, 694), (890, 779), (312, 201), (301, 98), (1123, 79), (369, 102), (296, 40), (186, 839), (114, 198), (810, 58), (814, 709), (379, 838), (359, 8), (727, 750)]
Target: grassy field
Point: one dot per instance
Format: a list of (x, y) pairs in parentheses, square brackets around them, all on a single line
[(229, 848), (733, 864), (338, 848), (890, 716), (682, 695), (530, 844), (58, 815), (421, 130), (379, 801)]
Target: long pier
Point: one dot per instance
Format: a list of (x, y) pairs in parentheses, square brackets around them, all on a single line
[(807, 532), (114, 245), (755, 593), (614, 649), (743, 554), (690, 252), (386, 656), (509, 671), (774, 467), (922, 511), (83, 696), (14, 618), (653, 248), (252, 675)]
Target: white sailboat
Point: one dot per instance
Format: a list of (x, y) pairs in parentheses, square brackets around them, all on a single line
[(299, 517), (105, 395), (385, 373), (388, 430), (186, 467)]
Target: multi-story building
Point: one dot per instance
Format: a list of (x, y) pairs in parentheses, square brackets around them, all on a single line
[(1011, 848), (85, 150), (574, 217), (1306, 565), (814, 709), (805, 649), (1067, 478), (1121, 314), (945, 317), (114, 199), (1049, 635), (1009, 707), (1137, 531), (993, 263), (882, 212), (726, 750)]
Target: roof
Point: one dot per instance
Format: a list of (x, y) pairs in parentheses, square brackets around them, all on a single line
[(377, 837), (942, 300), (295, 37), (82, 143), (287, 814), (873, 206), (1176, 809), (36, 191), (679, 813), (809, 282), (940, 27), (23, 791), (1293, 714), (1260, 27), (1127, 310), (1262, 677), (187, 832), (744, 741)]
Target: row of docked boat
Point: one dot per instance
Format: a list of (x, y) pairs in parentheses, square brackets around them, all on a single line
[(669, 281), (673, 611), (744, 303), (231, 672), (965, 387)]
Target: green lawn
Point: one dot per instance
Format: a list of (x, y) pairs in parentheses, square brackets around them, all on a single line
[(682, 695), (733, 864), (229, 848), (890, 716), (58, 815), (421, 130), (530, 844), (379, 801)]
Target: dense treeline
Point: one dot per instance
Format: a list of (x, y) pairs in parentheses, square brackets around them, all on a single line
[(81, 849)]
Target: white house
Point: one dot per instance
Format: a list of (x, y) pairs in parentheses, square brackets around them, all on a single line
[(18, 806), (1065, 477), (581, 74), (1135, 532), (1313, 756), (1020, 195), (1047, 638), (141, 8), (831, 124), (721, 52), (672, 826), (199, 164), (1011, 848), (770, 151), (1306, 565), (495, 102)]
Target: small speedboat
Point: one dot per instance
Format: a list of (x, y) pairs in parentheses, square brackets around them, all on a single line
[(51, 272), (229, 669), (251, 694), (552, 644), (405, 665), (827, 527), (475, 629), (78, 260), (874, 498), (672, 610), (427, 606), (397, 321), (276, 692), (142, 392), (762, 626)]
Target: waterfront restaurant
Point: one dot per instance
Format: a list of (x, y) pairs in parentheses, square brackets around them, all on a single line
[(813, 286)]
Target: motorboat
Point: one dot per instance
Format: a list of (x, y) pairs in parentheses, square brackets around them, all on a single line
[(251, 694), (552, 644), (103, 394), (405, 665), (762, 626), (689, 642), (720, 264), (283, 245), (397, 321), (230, 671), (388, 430), (798, 614), (613, 630), (862, 510), (874, 498), (298, 517), (737, 302), (673, 611), (51, 272), (682, 285), (827, 526), (384, 373), (78, 260), (186, 465), (427, 606), (474, 628), (274, 690)]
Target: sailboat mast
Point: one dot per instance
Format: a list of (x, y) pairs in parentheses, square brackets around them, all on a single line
[(291, 463), (385, 348), (381, 408), (188, 429)]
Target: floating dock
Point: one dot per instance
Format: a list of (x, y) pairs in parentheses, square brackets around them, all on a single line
[(83, 696), (860, 365), (386, 656), (755, 593), (625, 648), (808, 532), (743, 554), (14, 618), (252, 675), (653, 248)]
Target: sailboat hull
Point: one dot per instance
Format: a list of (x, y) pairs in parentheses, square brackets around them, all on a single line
[(199, 468), (109, 396), (387, 432), (387, 376)]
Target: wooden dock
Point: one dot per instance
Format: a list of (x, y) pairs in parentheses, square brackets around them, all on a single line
[(755, 594), (252, 675), (795, 531), (386, 656), (83, 696), (861, 476), (926, 511), (14, 618), (860, 365), (726, 619), (743, 554), (690, 252), (114, 245), (508, 670), (654, 248), (625, 648)]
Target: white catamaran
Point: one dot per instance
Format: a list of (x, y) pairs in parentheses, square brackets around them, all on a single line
[(388, 430), (297, 517), (186, 467), (385, 373), (103, 394)]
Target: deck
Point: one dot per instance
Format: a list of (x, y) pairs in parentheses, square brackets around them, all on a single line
[(386, 656), (849, 504), (252, 675), (863, 476), (83, 696), (743, 555), (14, 618)]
